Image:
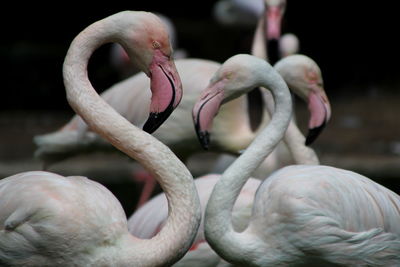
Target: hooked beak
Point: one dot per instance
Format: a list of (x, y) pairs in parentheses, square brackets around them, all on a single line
[(273, 22), (204, 111), (166, 88), (320, 110)]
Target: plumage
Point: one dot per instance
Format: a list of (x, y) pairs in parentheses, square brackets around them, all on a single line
[(304, 77), (149, 219), (303, 215), (50, 220)]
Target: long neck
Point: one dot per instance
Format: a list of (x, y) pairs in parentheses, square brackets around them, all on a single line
[(218, 225), (259, 46), (184, 210)]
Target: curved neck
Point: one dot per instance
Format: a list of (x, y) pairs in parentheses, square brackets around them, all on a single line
[(184, 211), (218, 225)]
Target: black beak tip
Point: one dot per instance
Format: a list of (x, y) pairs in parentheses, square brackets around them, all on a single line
[(155, 120), (204, 139), (313, 134)]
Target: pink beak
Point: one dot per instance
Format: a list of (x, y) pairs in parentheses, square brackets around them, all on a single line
[(273, 27), (166, 88), (205, 109), (320, 111)]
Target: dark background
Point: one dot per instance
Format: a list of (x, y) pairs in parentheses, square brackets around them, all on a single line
[(355, 44)]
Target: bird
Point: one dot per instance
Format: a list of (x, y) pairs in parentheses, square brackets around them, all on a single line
[(303, 215), (151, 217), (266, 38), (50, 220), (304, 77)]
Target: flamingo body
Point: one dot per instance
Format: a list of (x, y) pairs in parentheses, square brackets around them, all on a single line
[(340, 215), (45, 215), (50, 220), (302, 215)]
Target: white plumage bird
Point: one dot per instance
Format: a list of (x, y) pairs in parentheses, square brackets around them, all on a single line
[(149, 218), (50, 220), (302, 215)]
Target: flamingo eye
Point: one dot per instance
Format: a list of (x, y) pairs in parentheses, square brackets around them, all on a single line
[(156, 45)]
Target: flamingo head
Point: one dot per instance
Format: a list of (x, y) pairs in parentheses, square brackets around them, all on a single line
[(303, 76), (274, 10), (149, 44), (234, 78)]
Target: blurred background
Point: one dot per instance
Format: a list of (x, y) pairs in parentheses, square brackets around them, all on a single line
[(355, 45)]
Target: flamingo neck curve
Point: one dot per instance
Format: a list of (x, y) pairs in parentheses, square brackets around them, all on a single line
[(219, 230), (184, 211)]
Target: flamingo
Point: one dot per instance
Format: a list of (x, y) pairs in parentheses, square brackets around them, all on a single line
[(304, 77), (268, 31), (50, 220), (303, 215), (150, 217), (292, 149)]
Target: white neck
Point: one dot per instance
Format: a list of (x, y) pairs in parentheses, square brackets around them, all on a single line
[(259, 46), (218, 225), (177, 182)]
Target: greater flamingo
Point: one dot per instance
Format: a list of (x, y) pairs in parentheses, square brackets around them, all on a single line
[(304, 77), (268, 31), (302, 215), (150, 217), (51, 220)]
